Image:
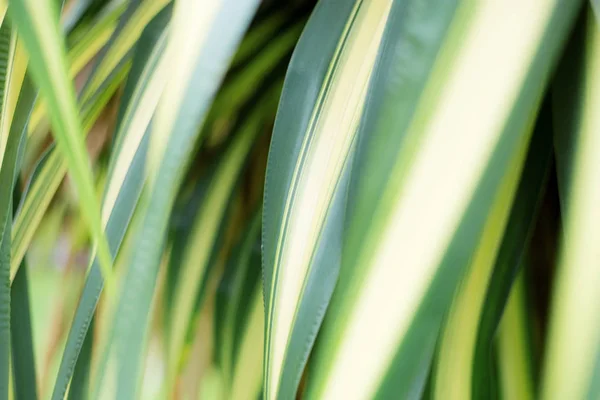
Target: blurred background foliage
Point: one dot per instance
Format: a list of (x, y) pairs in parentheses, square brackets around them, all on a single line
[(60, 248)]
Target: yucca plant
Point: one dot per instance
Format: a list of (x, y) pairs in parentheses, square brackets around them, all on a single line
[(333, 199)]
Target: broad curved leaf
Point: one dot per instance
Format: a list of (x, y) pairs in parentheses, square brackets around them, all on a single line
[(441, 126), (454, 369), (305, 187)]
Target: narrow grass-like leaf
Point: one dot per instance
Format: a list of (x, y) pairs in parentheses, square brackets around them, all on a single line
[(514, 347), (480, 298), (80, 53), (305, 187), (96, 96), (8, 175), (201, 44), (10, 149), (5, 314), (7, 49), (574, 334), (240, 278), (15, 122), (596, 8), (203, 237), (442, 124), (243, 320), (134, 19), (239, 89), (47, 176), (3, 9), (93, 39), (106, 37), (6, 191), (211, 386), (12, 135), (23, 360), (513, 249), (37, 24), (246, 382), (74, 11), (454, 367), (125, 177), (260, 35), (79, 387)]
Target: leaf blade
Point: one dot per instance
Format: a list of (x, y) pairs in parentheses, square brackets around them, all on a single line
[(307, 178), (124, 182), (41, 36), (175, 138), (392, 170)]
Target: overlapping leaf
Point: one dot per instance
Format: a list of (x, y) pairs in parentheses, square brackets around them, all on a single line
[(306, 179), (38, 26), (201, 44), (125, 178), (467, 339), (515, 369), (571, 362), (234, 311), (441, 127)]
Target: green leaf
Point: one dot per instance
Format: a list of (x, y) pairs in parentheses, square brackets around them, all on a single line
[(47, 176), (514, 347), (596, 7), (203, 238), (5, 315), (260, 35), (573, 341), (18, 98), (106, 82), (137, 15), (246, 383), (239, 88), (455, 367), (79, 388), (5, 45), (7, 49), (211, 386), (200, 47), (430, 158), (513, 248), (305, 189), (242, 275), (23, 360), (38, 26), (125, 177), (76, 10), (8, 176), (13, 119), (240, 319), (82, 50)]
